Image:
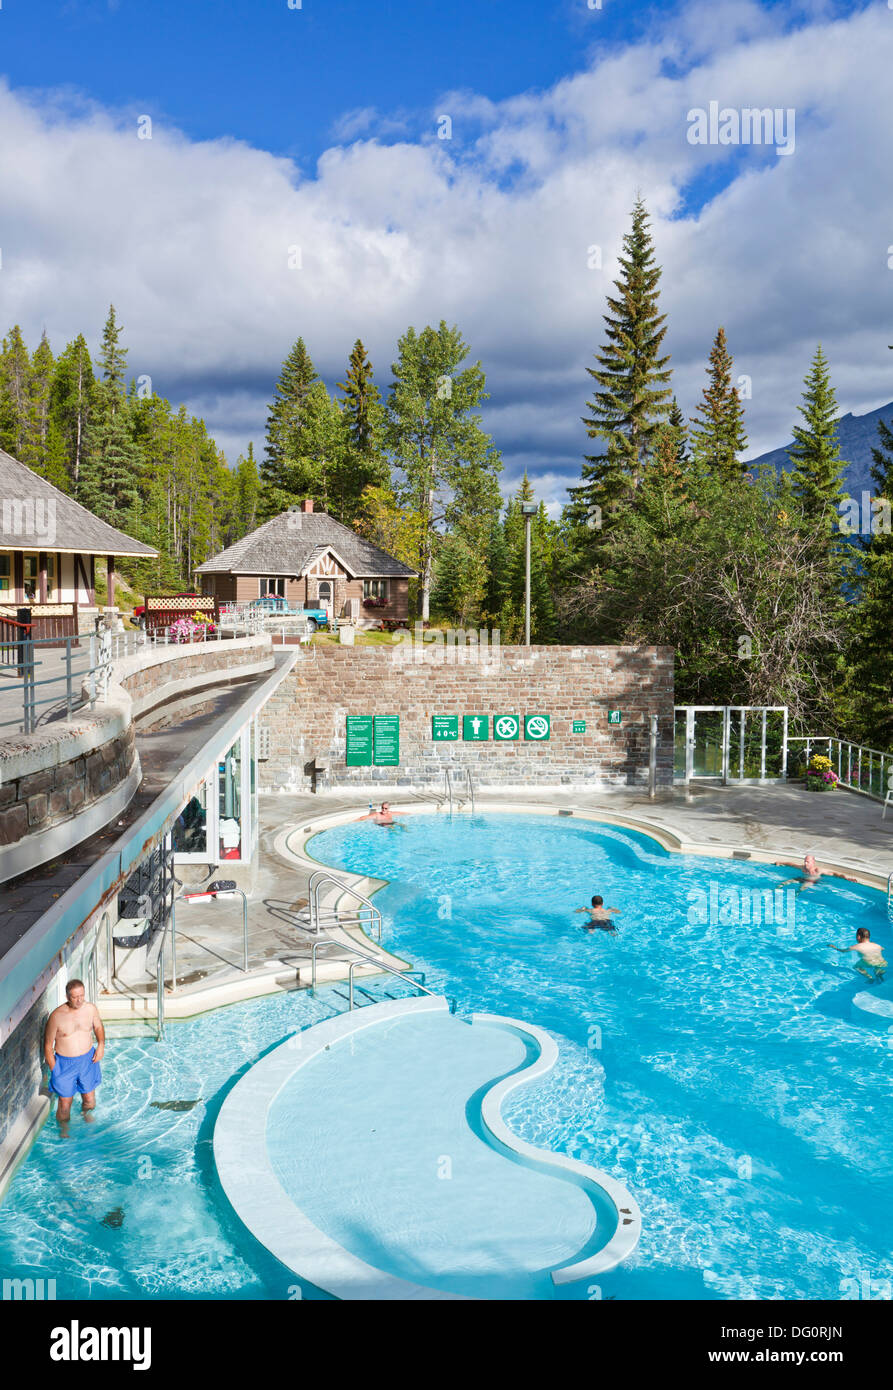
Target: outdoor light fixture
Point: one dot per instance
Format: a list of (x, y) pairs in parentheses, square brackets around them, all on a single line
[(528, 511)]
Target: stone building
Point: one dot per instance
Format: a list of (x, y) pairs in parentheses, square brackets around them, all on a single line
[(312, 561)]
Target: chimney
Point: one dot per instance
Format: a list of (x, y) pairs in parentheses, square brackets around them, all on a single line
[(307, 504)]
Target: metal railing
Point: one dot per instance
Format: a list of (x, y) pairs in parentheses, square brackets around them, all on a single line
[(859, 769), (470, 781), (214, 893), (378, 965), (449, 787), (321, 917), (69, 684)]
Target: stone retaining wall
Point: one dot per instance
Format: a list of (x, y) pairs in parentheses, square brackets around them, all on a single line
[(306, 715), (42, 799)]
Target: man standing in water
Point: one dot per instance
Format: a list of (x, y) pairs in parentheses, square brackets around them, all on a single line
[(871, 953), (69, 1052)]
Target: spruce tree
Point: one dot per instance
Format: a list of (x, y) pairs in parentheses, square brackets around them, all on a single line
[(632, 399), (815, 453), (361, 461), (15, 377), (285, 416), (718, 437)]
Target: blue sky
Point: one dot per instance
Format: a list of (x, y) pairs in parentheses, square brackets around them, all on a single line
[(274, 127)]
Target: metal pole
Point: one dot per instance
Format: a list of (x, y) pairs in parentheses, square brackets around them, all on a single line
[(174, 946), (527, 581), (652, 759), (159, 998), (245, 932), (350, 985)]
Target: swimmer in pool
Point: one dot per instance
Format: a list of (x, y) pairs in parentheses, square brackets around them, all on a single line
[(810, 876), (873, 964), (599, 915), (383, 817)]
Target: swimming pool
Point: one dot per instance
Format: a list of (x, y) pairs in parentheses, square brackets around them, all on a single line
[(717, 1069)]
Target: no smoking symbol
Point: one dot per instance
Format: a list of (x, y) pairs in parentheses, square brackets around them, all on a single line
[(537, 727)]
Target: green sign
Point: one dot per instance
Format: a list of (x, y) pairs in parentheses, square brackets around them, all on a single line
[(506, 727), (537, 726), (387, 740), (614, 716), (444, 726), (476, 727), (358, 751), (579, 726)]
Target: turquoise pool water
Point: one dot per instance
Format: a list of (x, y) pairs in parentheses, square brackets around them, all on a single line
[(413, 1184), (718, 1070)]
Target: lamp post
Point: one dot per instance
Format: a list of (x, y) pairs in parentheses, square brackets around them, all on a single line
[(528, 511)]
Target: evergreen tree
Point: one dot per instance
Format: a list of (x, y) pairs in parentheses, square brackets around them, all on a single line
[(15, 377), (718, 437), (496, 589), (361, 462), (449, 464), (247, 492), (113, 362), (71, 398), (632, 399), (285, 419), (815, 453), (871, 677)]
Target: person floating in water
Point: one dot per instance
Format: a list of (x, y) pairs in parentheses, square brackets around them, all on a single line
[(873, 964), (810, 876), (69, 1052), (599, 915), (383, 817)]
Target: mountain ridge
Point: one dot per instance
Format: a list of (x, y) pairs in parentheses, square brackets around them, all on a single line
[(857, 436)]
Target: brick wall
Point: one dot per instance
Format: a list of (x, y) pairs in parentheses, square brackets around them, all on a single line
[(306, 715)]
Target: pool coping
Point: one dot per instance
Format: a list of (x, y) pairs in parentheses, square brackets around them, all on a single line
[(264, 1207), (668, 839)]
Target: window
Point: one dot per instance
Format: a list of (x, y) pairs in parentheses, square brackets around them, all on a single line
[(229, 786), (31, 578), (5, 573), (272, 586), (375, 588), (51, 576)]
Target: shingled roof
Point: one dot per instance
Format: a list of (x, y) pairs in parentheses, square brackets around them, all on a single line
[(34, 515), (287, 544)]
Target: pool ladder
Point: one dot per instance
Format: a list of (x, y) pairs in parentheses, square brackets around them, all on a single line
[(321, 917), (365, 959), (469, 782)]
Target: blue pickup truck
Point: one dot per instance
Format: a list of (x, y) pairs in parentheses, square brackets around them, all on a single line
[(273, 603)]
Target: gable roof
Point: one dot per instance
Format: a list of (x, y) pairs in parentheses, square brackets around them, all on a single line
[(34, 515), (288, 543)]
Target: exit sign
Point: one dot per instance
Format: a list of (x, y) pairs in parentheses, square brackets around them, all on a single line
[(615, 716)]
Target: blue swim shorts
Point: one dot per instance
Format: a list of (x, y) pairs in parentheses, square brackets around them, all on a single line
[(75, 1075)]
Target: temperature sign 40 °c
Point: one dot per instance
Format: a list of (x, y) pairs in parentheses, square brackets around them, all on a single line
[(536, 726)]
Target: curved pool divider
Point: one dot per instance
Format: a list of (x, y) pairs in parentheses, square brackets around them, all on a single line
[(265, 1208), (628, 1227)]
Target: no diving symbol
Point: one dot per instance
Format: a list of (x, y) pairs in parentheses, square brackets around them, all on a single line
[(507, 726), (537, 727)]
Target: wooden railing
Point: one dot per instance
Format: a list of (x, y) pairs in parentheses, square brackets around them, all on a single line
[(163, 609), (50, 623)]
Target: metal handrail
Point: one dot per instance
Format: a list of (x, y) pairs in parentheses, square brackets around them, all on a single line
[(470, 781), (369, 960), (850, 764), (318, 878), (449, 786), (185, 897)]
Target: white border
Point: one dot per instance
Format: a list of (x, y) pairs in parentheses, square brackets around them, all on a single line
[(262, 1204)]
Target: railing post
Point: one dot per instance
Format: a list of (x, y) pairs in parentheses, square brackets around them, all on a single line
[(68, 677), (245, 931), (173, 946), (652, 758)]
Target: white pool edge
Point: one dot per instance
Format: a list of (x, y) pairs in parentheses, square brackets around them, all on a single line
[(272, 1217), (629, 1219)]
